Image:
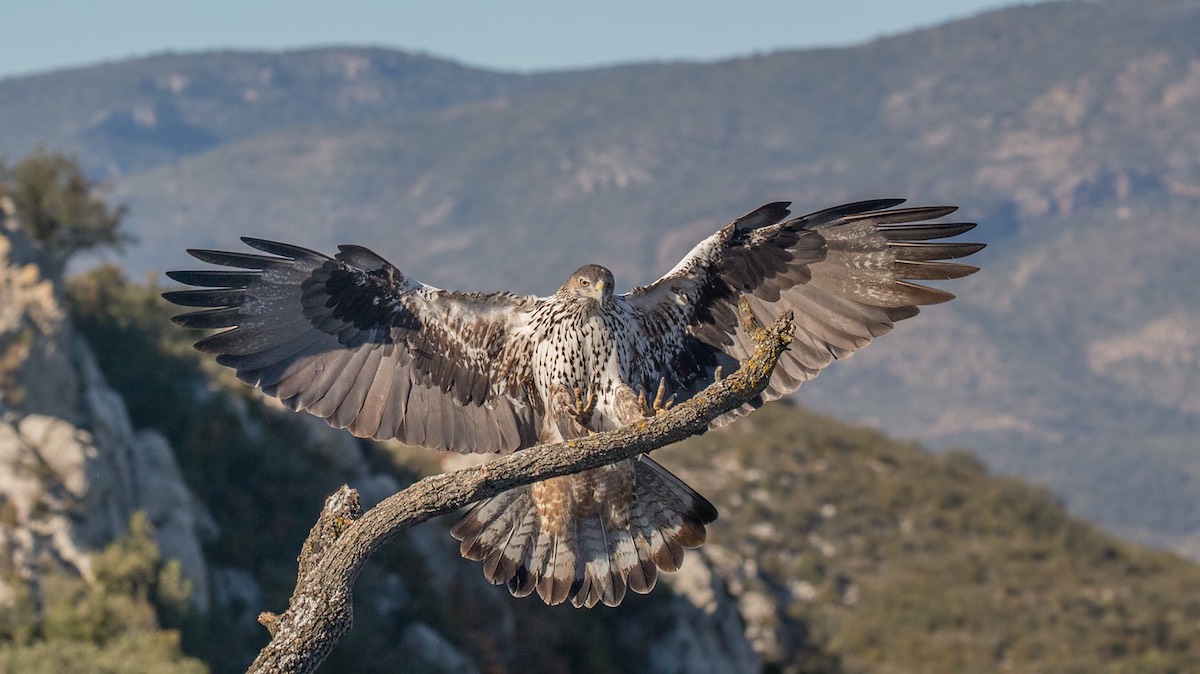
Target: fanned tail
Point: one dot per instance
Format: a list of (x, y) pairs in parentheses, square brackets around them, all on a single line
[(588, 537), (497, 532)]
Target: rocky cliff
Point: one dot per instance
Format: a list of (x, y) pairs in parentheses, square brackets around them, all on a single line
[(72, 468)]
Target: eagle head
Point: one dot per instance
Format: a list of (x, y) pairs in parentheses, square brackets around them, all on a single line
[(590, 281)]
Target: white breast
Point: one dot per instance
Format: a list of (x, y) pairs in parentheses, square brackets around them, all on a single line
[(584, 352)]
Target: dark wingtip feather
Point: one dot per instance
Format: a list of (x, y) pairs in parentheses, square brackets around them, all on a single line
[(174, 276), (282, 249), (691, 535), (214, 278), (865, 206), (920, 294), (361, 257), (902, 313), (208, 319), (925, 231), (912, 214), (913, 251), (230, 259), (838, 212), (932, 271), (219, 297), (763, 216)]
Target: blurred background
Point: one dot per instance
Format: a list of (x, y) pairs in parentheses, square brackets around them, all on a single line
[(1009, 481)]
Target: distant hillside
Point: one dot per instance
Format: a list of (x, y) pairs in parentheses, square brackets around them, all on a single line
[(135, 114), (1067, 129), (885, 558)]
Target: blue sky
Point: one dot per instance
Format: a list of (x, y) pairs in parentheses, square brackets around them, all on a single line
[(42, 35)]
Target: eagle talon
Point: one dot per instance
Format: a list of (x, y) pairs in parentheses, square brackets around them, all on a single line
[(584, 408), (651, 409)]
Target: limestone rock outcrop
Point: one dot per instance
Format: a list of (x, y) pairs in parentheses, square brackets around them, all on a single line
[(72, 468)]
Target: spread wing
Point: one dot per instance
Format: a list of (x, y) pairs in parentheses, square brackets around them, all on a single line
[(354, 341), (846, 273)]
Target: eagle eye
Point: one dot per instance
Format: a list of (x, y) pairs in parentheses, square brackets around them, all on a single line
[(584, 282)]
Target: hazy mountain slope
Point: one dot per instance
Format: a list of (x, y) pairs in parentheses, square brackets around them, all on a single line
[(1068, 129), (888, 559), (133, 114)]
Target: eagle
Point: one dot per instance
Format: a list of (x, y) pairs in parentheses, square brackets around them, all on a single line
[(353, 340)]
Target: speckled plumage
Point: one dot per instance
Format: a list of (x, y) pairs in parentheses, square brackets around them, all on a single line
[(353, 340)]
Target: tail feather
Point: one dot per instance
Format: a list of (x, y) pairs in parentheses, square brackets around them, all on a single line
[(558, 579), (691, 534), (603, 579), (521, 574), (594, 538), (666, 553), (521, 584), (489, 524), (503, 560), (644, 574), (624, 561), (586, 570), (675, 512), (532, 555), (525, 558)]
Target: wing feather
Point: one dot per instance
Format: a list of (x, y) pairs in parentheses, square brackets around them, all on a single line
[(351, 339), (367, 423), (847, 273), (396, 410)]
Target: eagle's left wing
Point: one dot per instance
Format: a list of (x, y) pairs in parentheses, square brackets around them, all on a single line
[(352, 340), (845, 272)]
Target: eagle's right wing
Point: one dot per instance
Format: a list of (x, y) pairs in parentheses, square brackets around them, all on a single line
[(354, 341)]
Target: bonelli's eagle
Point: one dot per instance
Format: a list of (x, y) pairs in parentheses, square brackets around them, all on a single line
[(354, 341)]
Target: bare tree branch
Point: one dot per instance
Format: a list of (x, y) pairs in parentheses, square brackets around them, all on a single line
[(320, 610)]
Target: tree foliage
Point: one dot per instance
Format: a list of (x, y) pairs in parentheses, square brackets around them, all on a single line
[(108, 624), (58, 205)]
